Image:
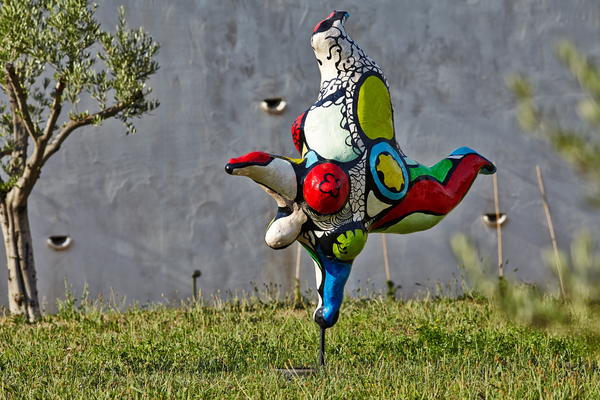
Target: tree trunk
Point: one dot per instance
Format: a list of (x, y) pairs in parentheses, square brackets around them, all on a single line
[(22, 288)]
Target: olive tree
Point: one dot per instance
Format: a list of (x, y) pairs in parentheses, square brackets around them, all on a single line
[(49, 50)]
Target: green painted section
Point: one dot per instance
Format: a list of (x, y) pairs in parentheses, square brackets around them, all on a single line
[(349, 244), (413, 223), (438, 171), (374, 109)]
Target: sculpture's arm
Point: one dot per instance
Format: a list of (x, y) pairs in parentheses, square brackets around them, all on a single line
[(273, 172), (284, 230)]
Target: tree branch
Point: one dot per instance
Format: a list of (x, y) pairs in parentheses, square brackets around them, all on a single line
[(74, 124), (21, 100), (19, 151), (56, 109), (14, 105), (43, 151)]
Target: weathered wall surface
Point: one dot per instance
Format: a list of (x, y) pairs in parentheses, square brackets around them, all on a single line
[(144, 211)]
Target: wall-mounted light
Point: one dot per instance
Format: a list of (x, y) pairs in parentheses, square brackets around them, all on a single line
[(491, 220), (275, 105), (59, 243)]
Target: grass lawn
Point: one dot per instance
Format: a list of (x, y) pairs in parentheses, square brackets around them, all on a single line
[(421, 349)]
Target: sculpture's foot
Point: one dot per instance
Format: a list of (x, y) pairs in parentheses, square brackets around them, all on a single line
[(487, 168), (324, 318)]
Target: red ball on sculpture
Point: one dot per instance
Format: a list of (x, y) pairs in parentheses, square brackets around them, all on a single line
[(326, 188)]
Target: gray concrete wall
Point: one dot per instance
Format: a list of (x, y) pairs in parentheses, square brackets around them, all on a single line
[(144, 211)]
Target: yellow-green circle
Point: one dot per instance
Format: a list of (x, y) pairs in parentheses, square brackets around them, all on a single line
[(374, 109), (349, 245), (393, 177)]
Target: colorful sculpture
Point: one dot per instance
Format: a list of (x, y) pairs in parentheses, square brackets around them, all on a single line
[(352, 179)]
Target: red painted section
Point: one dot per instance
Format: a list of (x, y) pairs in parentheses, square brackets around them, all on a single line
[(326, 188), (256, 157), (296, 130), (319, 24), (431, 196)]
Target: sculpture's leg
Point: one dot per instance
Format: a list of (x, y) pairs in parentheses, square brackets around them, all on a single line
[(332, 275), (435, 191)]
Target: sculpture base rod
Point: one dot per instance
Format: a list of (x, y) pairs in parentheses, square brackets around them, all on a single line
[(322, 348)]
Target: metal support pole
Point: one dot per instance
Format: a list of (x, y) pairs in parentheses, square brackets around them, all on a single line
[(322, 348)]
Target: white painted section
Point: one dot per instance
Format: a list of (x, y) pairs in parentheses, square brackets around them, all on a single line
[(284, 231), (278, 175), (325, 136), (319, 279), (374, 205)]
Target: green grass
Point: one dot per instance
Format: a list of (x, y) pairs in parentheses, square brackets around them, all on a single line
[(431, 349)]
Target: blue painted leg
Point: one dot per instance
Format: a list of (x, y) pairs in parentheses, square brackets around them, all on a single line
[(331, 289)]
